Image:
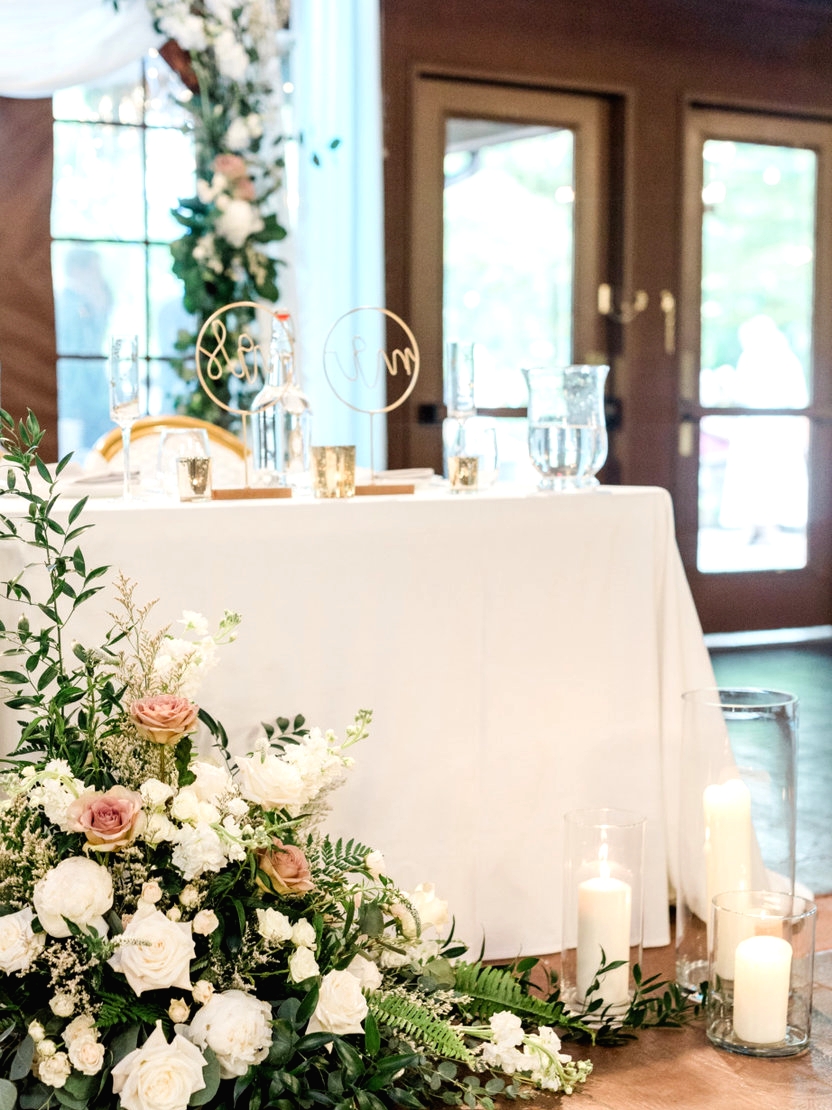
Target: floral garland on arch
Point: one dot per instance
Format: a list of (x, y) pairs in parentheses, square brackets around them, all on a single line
[(227, 52), (175, 929)]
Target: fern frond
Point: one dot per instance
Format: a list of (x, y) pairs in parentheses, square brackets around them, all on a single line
[(120, 1010), (336, 859), (417, 1025), (489, 990)]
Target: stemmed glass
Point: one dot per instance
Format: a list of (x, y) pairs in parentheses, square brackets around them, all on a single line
[(124, 393)]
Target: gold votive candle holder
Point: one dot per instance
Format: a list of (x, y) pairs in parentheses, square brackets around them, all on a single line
[(333, 471), (193, 476)]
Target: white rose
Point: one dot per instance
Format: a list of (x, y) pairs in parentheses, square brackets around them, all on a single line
[(155, 793), (86, 1054), (237, 1027), (159, 1076), (205, 922), (151, 892), (46, 1047), (19, 943), (303, 933), (198, 849), (273, 926), (302, 965), (239, 220), (54, 1070), (366, 972), (212, 780), (270, 781), (341, 1005), (154, 953), (431, 910), (203, 991), (406, 920), (36, 1031), (77, 888), (254, 125)]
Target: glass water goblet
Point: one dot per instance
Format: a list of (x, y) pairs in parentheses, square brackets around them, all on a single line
[(124, 394)]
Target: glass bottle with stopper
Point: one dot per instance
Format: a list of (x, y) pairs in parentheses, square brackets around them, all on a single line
[(466, 436), (281, 414)]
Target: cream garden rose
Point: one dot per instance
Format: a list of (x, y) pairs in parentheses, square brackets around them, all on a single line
[(159, 1076), (237, 1027), (19, 943), (341, 1005), (160, 954), (78, 889)]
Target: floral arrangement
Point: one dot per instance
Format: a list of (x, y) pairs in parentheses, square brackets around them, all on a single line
[(228, 56), (175, 929)]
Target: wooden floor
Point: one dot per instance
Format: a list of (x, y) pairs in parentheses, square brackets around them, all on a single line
[(678, 1069)]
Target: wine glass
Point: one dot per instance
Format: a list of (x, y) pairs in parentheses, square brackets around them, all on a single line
[(124, 393)]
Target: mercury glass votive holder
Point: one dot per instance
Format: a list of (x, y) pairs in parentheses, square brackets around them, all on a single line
[(602, 908), (193, 476), (760, 970), (333, 471)]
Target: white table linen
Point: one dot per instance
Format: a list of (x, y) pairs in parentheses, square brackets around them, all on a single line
[(523, 655)]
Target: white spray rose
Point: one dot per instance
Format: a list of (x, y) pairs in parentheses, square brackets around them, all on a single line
[(159, 1076), (77, 888), (86, 1054), (203, 991), (431, 910), (302, 965), (366, 972), (237, 137), (303, 933), (82, 1026), (54, 1070), (155, 793), (19, 943), (341, 1006), (161, 955), (274, 926), (237, 1027), (205, 922)]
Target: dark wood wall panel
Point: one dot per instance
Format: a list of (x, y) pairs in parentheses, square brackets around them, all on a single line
[(27, 322)]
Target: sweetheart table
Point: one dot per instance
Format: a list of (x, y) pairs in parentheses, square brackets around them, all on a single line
[(523, 654)]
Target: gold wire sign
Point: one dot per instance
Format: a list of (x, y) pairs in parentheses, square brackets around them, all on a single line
[(247, 361), (352, 364)]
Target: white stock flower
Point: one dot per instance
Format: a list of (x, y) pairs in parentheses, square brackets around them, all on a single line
[(55, 1070), (341, 1006), (506, 1028), (86, 1054), (303, 933), (274, 926), (19, 943), (77, 888), (544, 1058), (302, 965), (198, 849), (238, 136), (154, 953), (159, 1076), (237, 1027), (366, 972), (205, 922), (431, 910), (194, 622)]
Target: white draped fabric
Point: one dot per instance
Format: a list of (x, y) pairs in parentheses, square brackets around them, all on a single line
[(47, 45)]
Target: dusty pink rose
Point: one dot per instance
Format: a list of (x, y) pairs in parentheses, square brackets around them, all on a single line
[(244, 189), (110, 821), (286, 868), (164, 718), (231, 166)]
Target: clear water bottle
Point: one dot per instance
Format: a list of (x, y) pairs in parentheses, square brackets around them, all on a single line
[(281, 415)]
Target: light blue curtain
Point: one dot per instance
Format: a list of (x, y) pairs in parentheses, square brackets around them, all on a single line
[(338, 249)]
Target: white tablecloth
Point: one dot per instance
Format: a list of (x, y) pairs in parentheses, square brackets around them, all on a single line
[(523, 654)]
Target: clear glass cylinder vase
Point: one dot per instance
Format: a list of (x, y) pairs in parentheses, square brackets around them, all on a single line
[(602, 908), (567, 430), (736, 809)]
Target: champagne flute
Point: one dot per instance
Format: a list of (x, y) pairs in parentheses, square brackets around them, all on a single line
[(124, 394)]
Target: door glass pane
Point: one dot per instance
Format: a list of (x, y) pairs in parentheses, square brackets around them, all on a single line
[(758, 236), (508, 249)]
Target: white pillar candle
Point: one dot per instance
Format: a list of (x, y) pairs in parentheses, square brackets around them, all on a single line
[(728, 840), (762, 970), (604, 912)]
